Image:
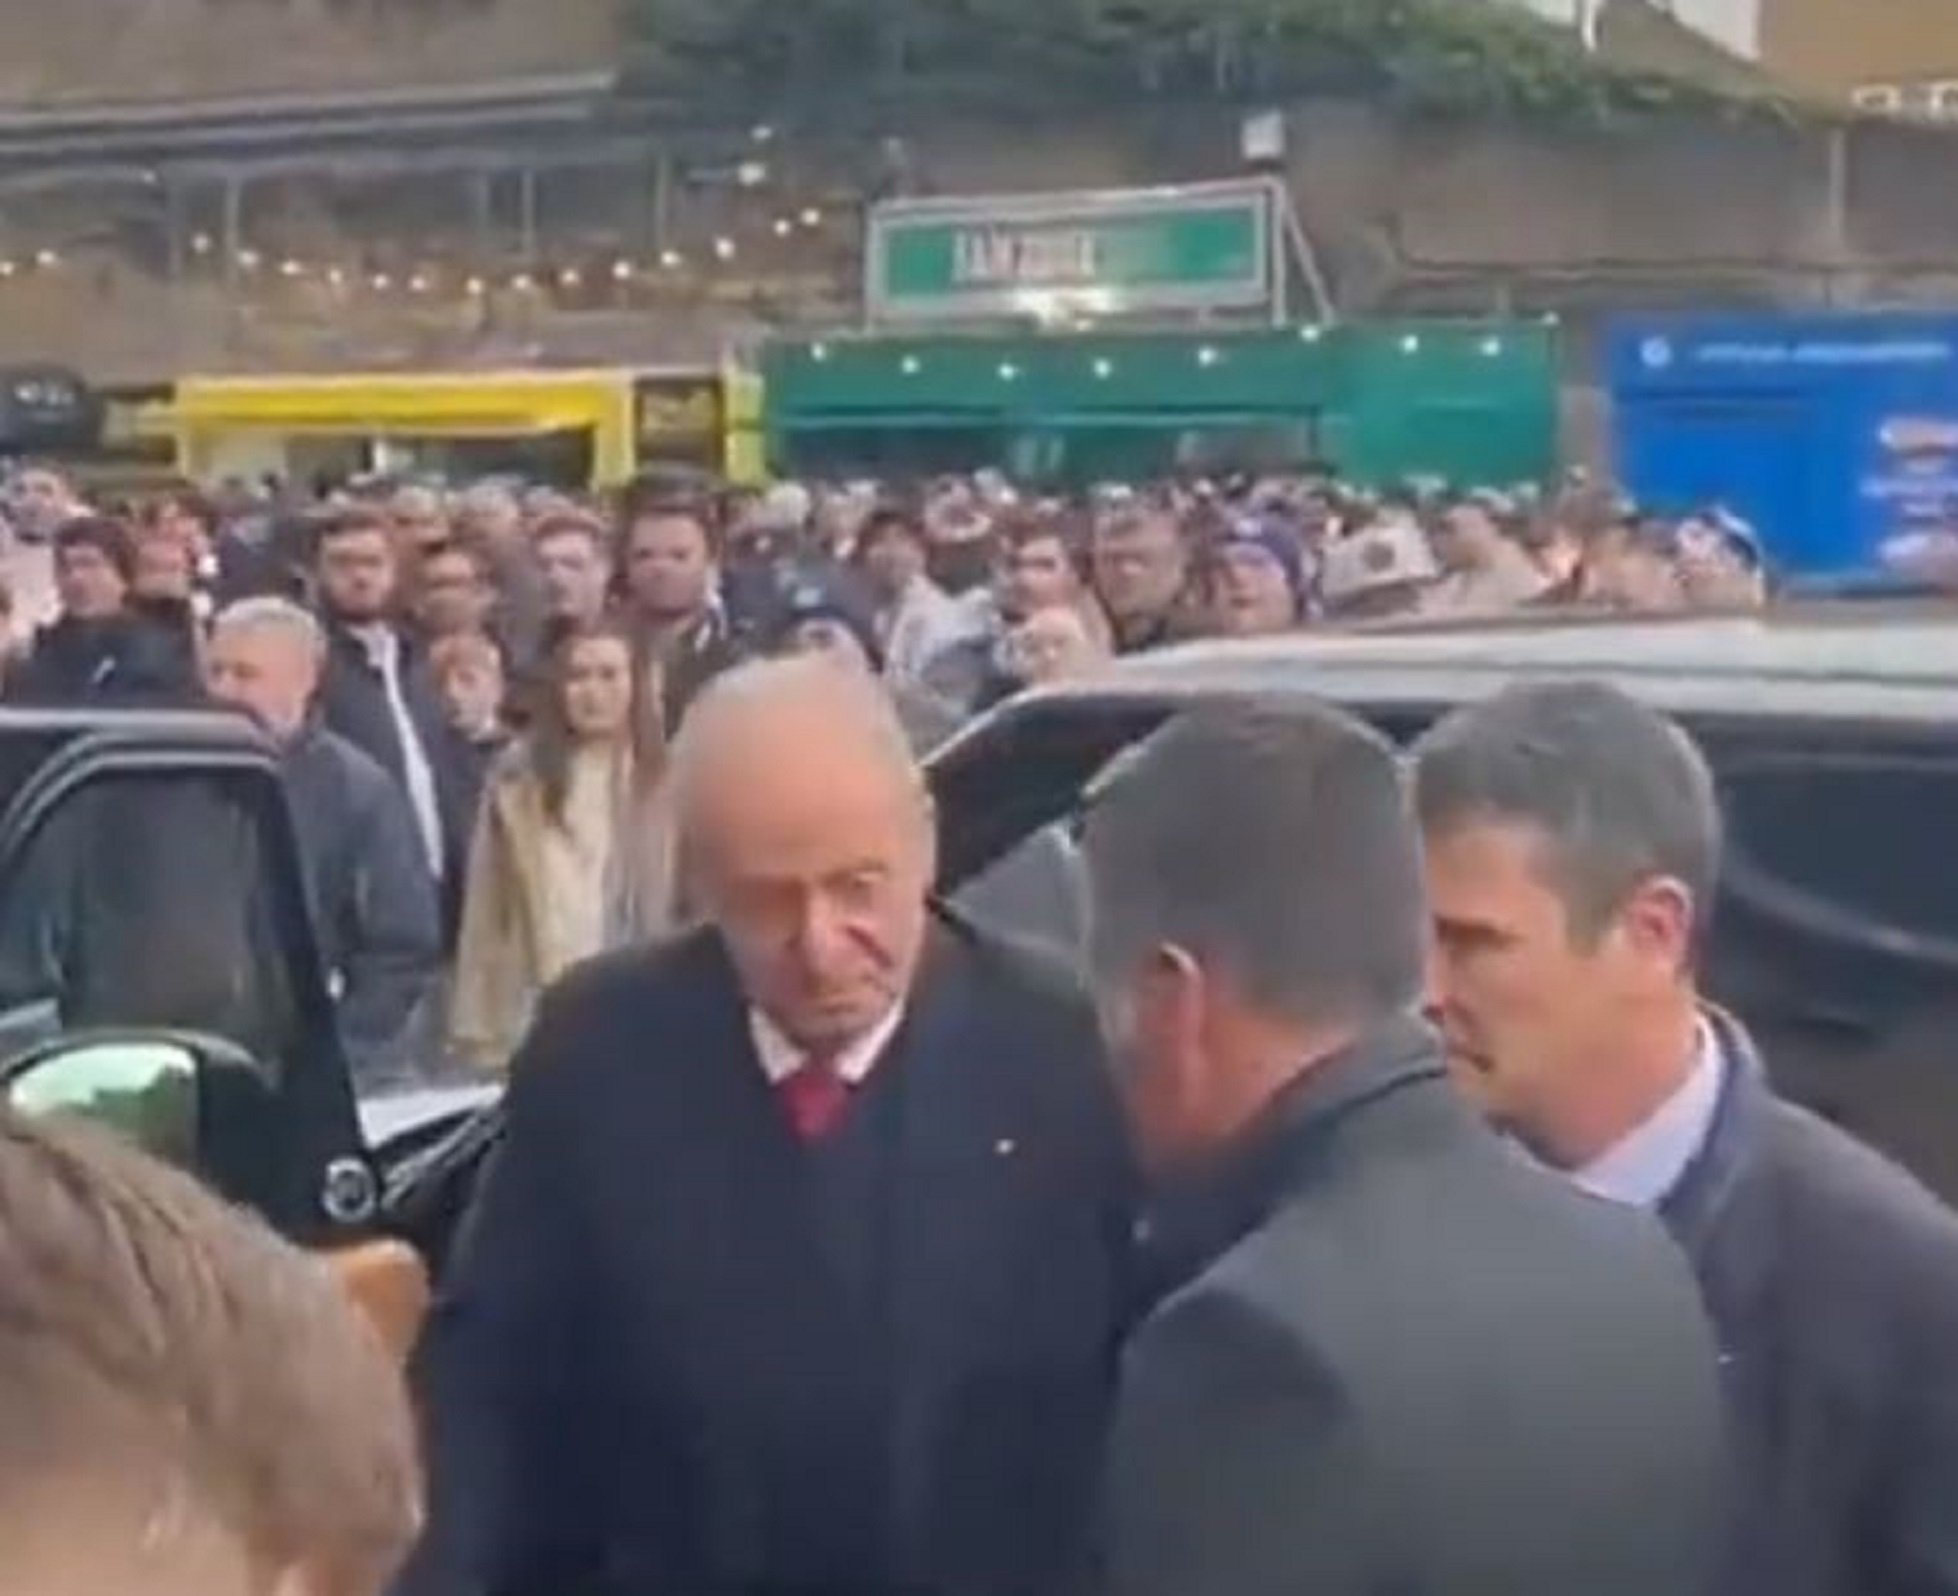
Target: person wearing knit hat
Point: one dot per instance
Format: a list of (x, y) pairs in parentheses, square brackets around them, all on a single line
[(1260, 578), (825, 609), (1720, 562)]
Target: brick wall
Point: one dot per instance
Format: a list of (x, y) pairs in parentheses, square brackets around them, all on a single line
[(1408, 217), (55, 51), (1413, 214)]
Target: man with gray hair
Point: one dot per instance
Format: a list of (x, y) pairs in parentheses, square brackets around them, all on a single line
[(1573, 849), (373, 900), (802, 1265), (1392, 1356)]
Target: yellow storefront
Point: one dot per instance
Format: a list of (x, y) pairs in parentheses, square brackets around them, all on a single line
[(575, 428)]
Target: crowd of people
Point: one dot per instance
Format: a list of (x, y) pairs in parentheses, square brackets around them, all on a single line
[(474, 689), (1374, 1204), (1387, 1210)]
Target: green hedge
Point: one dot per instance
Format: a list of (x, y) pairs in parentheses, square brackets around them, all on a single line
[(1481, 57)]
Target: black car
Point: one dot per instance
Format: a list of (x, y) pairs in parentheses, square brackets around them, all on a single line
[(158, 971), (157, 968)]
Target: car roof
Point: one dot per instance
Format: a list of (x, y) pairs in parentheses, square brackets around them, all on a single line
[(32, 737), (204, 727), (1847, 660)]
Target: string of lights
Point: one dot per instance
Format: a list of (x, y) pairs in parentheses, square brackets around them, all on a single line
[(1105, 367), (674, 263)]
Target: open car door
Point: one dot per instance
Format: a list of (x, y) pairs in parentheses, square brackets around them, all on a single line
[(158, 973)]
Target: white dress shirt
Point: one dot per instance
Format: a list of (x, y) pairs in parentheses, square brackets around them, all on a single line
[(781, 1058), (384, 653), (1643, 1167)]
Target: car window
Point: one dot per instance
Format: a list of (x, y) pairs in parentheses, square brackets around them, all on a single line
[(1861, 843), (141, 902), (1036, 892)]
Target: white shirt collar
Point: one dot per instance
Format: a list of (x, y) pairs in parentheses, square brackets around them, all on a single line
[(781, 1058), (378, 639), (1646, 1164)]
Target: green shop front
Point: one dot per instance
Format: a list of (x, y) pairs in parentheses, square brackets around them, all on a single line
[(1111, 334), (1376, 402)]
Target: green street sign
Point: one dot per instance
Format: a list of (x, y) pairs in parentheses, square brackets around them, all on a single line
[(1051, 256)]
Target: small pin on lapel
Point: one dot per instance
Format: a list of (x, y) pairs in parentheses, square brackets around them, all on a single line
[(1005, 1147)]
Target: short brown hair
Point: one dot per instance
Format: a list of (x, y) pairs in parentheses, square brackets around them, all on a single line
[(350, 521), (457, 549), (573, 524), (697, 511), (190, 501), (1070, 532), (153, 1339), (109, 537)]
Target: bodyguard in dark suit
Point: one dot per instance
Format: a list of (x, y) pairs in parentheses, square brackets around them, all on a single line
[(801, 1266), (1573, 849), (1389, 1355)]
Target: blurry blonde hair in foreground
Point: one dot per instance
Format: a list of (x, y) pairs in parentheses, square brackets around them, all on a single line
[(178, 1383)]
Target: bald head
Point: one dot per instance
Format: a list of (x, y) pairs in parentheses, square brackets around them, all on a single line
[(768, 718), (806, 835)]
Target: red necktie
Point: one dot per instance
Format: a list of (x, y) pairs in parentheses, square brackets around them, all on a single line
[(815, 1098)]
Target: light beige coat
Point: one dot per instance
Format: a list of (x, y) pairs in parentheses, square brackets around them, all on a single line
[(507, 955)]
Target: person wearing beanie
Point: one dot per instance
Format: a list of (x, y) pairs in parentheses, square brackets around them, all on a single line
[(97, 649), (1721, 562), (1259, 579), (826, 609)]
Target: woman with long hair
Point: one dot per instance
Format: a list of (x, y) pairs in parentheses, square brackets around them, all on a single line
[(572, 853)]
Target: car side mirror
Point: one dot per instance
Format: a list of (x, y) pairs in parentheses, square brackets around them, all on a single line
[(144, 1088)]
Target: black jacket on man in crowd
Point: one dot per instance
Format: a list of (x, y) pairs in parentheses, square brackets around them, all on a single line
[(679, 1353), (1482, 1381), (373, 901), (353, 702), (126, 658), (705, 648), (1832, 1280)]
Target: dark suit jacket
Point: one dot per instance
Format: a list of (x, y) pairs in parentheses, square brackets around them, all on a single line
[(353, 703), (623, 1375), (706, 649), (1419, 1367), (1832, 1278), (375, 911), (123, 659)]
